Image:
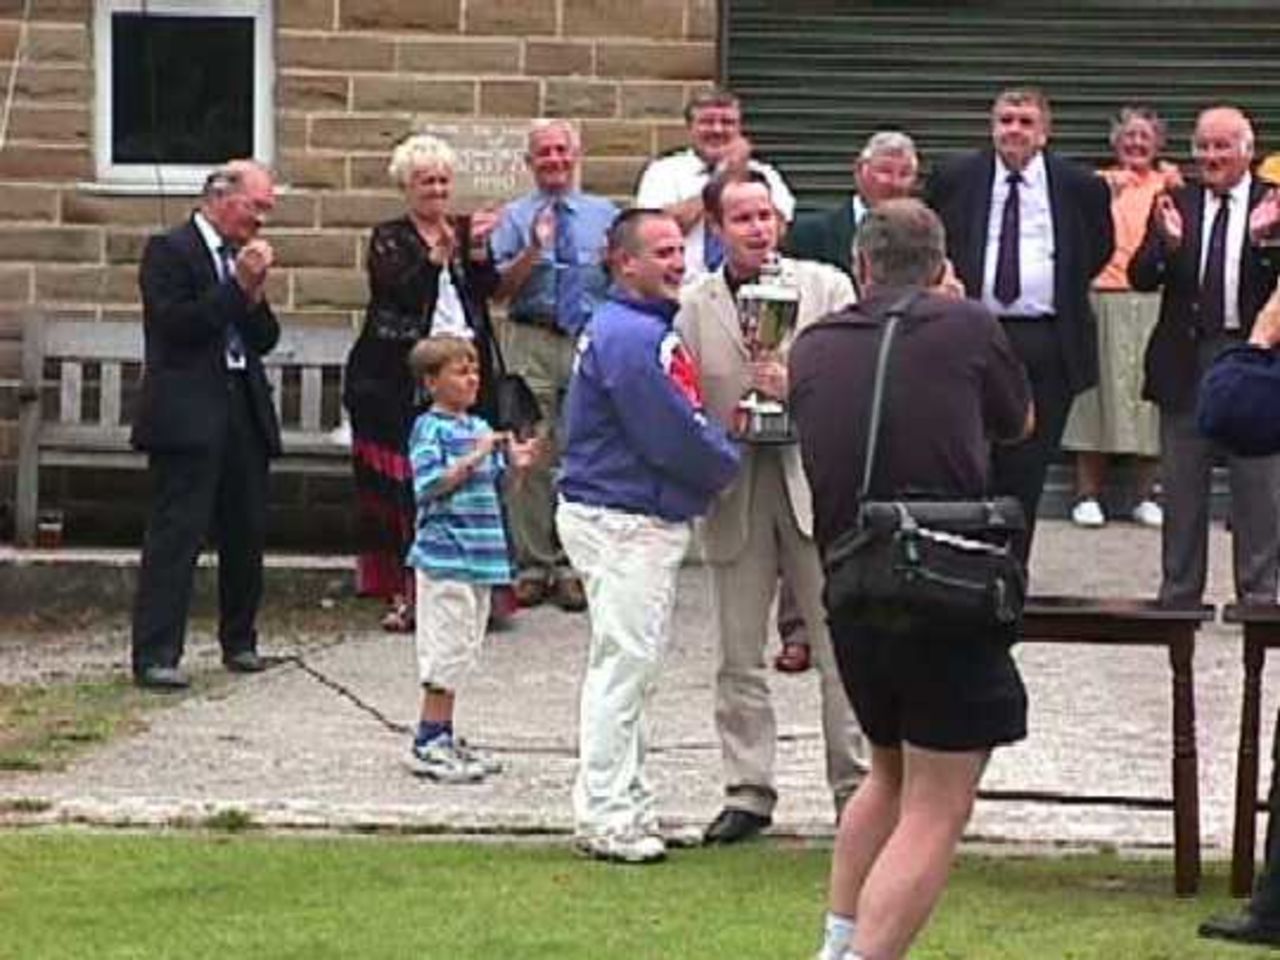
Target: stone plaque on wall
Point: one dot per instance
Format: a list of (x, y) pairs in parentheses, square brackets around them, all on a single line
[(491, 167)]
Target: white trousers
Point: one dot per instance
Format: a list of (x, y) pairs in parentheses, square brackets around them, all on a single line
[(451, 618), (629, 565)]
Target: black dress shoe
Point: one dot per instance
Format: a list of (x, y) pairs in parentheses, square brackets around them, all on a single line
[(246, 661), (733, 826), (1243, 927), (165, 679)]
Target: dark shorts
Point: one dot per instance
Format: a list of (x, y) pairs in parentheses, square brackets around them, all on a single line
[(936, 692)]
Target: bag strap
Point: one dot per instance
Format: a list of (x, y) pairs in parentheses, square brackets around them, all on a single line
[(896, 311)]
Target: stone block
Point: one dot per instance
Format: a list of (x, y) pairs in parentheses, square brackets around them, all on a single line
[(56, 244), (126, 246), (154, 211), (312, 91), (609, 138), (660, 101), (670, 136), (15, 284), (314, 249), (370, 173), (334, 53), (299, 169), (28, 203), (662, 61), (357, 133), (413, 94), (437, 16), (45, 163), (291, 131), (464, 56), (552, 58), (360, 210), (278, 287), (702, 20), (56, 44), (329, 289), (54, 84), (8, 40), (612, 176), (509, 98), (61, 10), (517, 17), (294, 209), (60, 125), (580, 98), (307, 14), (624, 18), (86, 285)]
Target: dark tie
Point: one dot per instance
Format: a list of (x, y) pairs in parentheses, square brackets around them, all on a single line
[(569, 286), (1008, 269), (1213, 286), (234, 344)]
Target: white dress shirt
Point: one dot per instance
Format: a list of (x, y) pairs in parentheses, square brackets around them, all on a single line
[(679, 176), (1237, 224), (215, 243), (1035, 241)]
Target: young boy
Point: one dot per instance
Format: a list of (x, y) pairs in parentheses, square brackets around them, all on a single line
[(460, 548)]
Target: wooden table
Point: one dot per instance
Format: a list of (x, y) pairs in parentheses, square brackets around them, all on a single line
[(1124, 622), (1261, 632)]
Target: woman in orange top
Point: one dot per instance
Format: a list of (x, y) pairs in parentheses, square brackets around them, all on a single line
[(1113, 418)]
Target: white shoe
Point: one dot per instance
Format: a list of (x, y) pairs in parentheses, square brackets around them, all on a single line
[(439, 760), (487, 762), (1088, 513), (622, 847), (1149, 514)]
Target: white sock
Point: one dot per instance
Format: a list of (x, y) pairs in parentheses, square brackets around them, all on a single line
[(837, 937)]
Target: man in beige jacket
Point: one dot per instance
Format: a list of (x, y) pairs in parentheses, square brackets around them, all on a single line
[(764, 521)]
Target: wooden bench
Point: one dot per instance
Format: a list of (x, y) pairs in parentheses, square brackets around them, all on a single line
[(1261, 628), (1121, 622), (90, 369)]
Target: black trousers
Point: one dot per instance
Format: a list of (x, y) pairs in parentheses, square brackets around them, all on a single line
[(1019, 469), (1266, 894), (220, 492)]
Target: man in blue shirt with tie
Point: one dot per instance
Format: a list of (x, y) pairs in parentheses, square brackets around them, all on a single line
[(548, 247)]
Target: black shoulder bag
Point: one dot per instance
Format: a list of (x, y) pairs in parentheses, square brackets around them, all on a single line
[(931, 565), (515, 406)]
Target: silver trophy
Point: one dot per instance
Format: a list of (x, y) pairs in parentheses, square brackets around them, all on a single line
[(767, 311)]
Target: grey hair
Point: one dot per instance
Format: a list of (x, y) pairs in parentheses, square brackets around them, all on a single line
[(888, 142), (229, 177), (545, 125), (1128, 114), (419, 150), (903, 244)]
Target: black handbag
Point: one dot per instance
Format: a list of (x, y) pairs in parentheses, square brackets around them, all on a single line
[(912, 564), (514, 404)]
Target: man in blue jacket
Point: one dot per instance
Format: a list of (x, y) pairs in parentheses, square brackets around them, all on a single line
[(641, 460), (1240, 409)]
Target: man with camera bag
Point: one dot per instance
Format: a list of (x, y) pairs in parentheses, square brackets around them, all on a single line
[(933, 703)]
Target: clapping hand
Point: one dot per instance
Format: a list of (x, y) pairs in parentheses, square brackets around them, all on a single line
[(1168, 221), (441, 252), (483, 222), (544, 228), (1264, 221), (769, 376), (253, 262), (523, 453), (1266, 326), (736, 155)]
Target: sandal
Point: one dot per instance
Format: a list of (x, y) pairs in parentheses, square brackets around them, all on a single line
[(399, 619)]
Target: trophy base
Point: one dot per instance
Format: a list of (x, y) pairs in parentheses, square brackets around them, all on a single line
[(763, 427)]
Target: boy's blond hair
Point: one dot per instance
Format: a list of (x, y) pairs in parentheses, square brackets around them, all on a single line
[(430, 355)]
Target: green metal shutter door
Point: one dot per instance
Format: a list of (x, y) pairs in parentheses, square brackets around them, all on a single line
[(818, 78)]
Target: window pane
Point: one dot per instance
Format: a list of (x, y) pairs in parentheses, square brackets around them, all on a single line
[(181, 88)]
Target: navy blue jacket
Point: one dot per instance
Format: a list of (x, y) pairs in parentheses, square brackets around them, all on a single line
[(636, 438), (1240, 401)]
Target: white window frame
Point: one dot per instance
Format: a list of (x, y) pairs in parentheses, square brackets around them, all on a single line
[(178, 177)]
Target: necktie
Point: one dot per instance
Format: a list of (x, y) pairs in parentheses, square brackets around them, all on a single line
[(712, 249), (1008, 282), (569, 285), (234, 344), (1213, 284)]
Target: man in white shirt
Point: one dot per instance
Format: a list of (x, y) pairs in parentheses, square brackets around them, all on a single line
[(674, 183)]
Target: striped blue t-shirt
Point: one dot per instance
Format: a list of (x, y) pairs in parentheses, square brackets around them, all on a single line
[(459, 535)]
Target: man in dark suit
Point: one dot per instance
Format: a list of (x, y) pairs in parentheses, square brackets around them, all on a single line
[(1027, 231), (1201, 250), (206, 421), (885, 170)]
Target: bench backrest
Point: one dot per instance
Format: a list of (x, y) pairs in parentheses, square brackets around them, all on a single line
[(305, 372)]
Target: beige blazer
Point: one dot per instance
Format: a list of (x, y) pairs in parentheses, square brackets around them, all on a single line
[(708, 323)]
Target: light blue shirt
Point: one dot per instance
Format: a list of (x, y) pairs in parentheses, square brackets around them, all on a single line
[(590, 217)]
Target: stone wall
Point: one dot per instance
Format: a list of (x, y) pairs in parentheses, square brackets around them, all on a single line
[(352, 76)]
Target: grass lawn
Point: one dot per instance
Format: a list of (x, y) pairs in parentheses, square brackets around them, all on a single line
[(190, 896)]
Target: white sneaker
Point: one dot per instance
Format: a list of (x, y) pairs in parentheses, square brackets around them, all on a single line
[(487, 762), (621, 847), (1088, 513), (682, 837), (1149, 514), (439, 760)]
